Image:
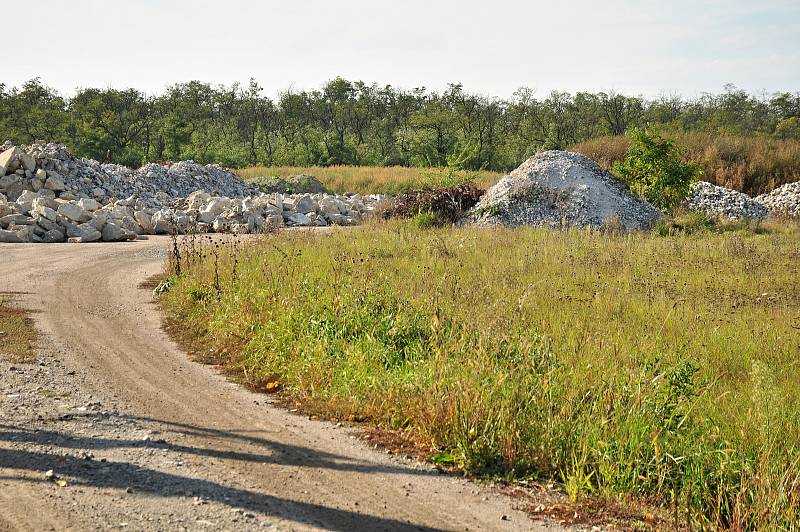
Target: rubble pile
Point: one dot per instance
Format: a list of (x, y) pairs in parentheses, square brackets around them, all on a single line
[(725, 203), (48, 195), (559, 189), (783, 201)]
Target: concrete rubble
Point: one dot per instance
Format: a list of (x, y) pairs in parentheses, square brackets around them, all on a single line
[(48, 195), (561, 189), (725, 203)]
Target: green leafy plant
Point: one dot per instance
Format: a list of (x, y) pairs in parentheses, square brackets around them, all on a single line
[(654, 169)]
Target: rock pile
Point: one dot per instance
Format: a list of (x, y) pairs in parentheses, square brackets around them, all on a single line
[(783, 201), (47, 195), (52, 166), (556, 189), (725, 203)]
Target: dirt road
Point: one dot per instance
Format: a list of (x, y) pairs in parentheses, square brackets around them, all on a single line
[(140, 438)]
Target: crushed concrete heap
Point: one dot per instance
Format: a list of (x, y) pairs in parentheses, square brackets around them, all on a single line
[(783, 201), (557, 189), (729, 204), (724, 203), (47, 195)]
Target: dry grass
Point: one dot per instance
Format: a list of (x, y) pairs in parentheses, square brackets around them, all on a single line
[(370, 179), (750, 164), (17, 333)]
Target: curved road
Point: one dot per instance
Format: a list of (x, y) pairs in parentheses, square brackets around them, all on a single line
[(140, 438)]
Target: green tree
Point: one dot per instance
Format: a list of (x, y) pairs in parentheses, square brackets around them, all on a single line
[(34, 112), (110, 124), (654, 169)]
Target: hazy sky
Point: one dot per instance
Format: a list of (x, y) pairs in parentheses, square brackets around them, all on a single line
[(492, 47)]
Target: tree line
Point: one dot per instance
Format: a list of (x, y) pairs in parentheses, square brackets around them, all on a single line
[(354, 123)]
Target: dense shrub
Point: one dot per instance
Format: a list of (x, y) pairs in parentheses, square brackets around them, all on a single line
[(654, 169)]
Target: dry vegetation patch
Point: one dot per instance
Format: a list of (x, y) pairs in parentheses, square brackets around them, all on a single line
[(17, 332), (368, 179)]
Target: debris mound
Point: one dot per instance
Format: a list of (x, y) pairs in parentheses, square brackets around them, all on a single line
[(725, 203), (559, 189), (47, 195), (153, 184), (447, 204), (783, 201)]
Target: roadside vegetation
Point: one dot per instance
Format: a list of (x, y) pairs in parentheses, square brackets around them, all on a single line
[(657, 367), (17, 333)]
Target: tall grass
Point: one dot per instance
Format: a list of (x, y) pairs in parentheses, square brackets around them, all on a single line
[(370, 179), (750, 164), (663, 368)]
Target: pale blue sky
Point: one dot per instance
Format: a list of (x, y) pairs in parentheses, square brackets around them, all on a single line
[(492, 47)]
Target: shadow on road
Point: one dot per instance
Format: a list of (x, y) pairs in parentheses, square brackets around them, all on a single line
[(123, 475)]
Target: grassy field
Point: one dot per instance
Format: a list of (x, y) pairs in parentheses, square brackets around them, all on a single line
[(17, 334), (658, 369), (372, 180), (749, 164)]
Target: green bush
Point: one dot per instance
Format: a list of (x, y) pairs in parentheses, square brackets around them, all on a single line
[(654, 169)]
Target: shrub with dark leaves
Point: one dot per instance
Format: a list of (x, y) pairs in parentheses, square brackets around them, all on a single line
[(446, 205)]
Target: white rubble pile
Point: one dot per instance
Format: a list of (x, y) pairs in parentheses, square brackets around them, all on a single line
[(783, 201), (558, 188), (153, 184), (725, 203), (46, 195)]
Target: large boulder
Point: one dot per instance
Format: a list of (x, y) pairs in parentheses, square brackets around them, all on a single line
[(25, 200), (83, 233), (88, 204), (557, 189), (42, 207), (297, 218), (9, 237), (54, 182), (116, 233), (331, 205), (15, 219), (7, 181), (74, 212), (27, 162), (53, 236), (145, 221), (9, 160), (301, 204)]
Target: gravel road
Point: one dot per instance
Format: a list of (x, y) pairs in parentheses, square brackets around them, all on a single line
[(114, 428)]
